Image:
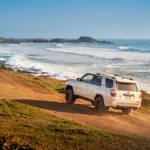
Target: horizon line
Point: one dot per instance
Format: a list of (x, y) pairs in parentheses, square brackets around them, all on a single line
[(75, 38)]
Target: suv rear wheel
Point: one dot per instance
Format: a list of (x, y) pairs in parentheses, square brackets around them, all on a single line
[(99, 105), (126, 110), (70, 98)]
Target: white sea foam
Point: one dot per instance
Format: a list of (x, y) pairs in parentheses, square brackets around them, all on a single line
[(2, 59), (55, 71), (123, 47), (143, 50)]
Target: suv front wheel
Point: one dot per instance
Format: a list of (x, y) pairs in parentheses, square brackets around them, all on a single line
[(70, 98), (99, 105)]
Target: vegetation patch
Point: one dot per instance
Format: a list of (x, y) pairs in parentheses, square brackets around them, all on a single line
[(48, 83), (145, 105), (26, 127), (10, 142)]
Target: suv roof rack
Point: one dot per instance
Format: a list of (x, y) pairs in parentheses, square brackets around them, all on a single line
[(122, 77), (105, 75), (114, 75), (97, 73)]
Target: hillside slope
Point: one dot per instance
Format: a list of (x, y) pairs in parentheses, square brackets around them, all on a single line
[(26, 127), (17, 88)]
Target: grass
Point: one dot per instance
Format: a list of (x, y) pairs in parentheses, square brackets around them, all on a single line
[(145, 105), (26, 127), (48, 83)]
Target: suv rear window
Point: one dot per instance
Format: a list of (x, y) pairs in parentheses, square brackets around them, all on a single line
[(126, 86), (109, 83)]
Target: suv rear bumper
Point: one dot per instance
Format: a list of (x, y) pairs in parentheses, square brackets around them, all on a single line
[(131, 107), (126, 105)]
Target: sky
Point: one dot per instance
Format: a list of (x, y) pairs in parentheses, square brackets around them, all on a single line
[(73, 18)]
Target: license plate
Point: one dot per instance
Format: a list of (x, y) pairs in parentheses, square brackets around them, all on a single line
[(127, 97)]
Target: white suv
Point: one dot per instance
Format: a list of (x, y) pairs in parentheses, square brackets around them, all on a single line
[(105, 91)]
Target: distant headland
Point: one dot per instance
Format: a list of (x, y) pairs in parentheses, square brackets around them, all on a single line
[(81, 39)]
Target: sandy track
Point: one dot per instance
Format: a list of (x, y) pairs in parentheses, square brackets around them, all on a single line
[(12, 87)]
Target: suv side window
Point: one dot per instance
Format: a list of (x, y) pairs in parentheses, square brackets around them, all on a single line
[(87, 78), (108, 83), (97, 80)]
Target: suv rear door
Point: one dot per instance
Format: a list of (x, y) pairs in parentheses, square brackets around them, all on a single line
[(127, 92), (109, 85), (95, 87)]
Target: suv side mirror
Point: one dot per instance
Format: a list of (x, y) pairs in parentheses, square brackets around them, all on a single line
[(78, 79)]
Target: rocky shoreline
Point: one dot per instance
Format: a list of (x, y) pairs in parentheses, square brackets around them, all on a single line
[(82, 39), (8, 67), (5, 66)]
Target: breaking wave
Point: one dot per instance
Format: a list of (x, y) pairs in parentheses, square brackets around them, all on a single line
[(131, 49)]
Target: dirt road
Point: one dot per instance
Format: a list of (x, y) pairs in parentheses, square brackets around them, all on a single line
[(15, 88)]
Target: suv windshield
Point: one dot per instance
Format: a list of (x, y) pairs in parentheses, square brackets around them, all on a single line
[(87, 78), (126, 86)]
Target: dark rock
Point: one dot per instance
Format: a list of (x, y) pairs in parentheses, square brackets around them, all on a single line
[(18, 41), (44, 73), (5, 66), (2, 63), (82, 39), (87, 40), (62, 41), (8, 67), (24, 71), (35, 70)]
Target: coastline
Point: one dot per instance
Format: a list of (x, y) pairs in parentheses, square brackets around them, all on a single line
[(72, 60), (6, 66)]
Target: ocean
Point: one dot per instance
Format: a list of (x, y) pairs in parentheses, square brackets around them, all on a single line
[(130, 58)]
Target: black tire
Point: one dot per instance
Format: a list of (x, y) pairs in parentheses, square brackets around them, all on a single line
[(70, 98), (99, 105), (92, 102), (126, 110)]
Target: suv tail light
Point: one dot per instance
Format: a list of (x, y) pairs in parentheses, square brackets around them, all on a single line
[(113, 93)]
